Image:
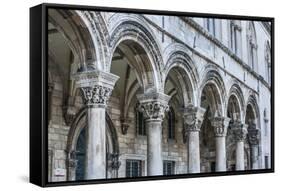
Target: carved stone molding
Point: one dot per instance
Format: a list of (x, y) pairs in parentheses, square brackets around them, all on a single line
[(239, 130), (193, 118), (96, 86), (220, 125), (153, 105)]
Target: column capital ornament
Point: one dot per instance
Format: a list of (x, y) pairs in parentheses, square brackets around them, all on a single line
[(125, 124), (239, 130), (95, 85), (71, 161), (193, 117), (153, 105), (253, 133), (220, 125), (96, 95)]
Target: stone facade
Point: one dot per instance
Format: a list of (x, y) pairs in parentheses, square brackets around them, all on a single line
[(148, 88)]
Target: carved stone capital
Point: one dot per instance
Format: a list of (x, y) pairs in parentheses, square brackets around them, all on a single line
[(96, 95), (253, 134), (193, 117), (96, 86), (220, 125), (153, 105), (71, 161), (125, 124), (239, 130), (113, 161)]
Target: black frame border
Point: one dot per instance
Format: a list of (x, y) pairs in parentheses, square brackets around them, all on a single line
[(39, 79)]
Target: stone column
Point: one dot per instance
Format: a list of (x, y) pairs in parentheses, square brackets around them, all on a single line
[(96, 87), (153, 106), (193, 117), (254, 135), (240, 132), (220, 125)]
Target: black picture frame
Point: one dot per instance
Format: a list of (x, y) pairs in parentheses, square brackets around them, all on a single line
[(38, 94)]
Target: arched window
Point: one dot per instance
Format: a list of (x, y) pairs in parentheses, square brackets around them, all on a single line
[(252, 46), (268, 62), (235, 37), (140, 123), (171, 124), (210, 26)]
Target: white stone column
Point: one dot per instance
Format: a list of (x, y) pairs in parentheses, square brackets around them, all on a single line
[(240, 132), (254, 135), (153, 106), (193, 117), (220, 125), (96, 87)]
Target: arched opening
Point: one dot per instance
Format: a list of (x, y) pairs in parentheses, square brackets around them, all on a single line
[(210, 100), (234, 112), (76, 148), (131, 63), (178, 87)]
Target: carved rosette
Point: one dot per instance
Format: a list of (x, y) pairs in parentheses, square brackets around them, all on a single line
[(96, 86), (239, 130), (220, 125), (253, 134), (153, 105), (193, 118)]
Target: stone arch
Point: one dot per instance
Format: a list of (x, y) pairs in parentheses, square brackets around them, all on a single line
[(236, 94), (136, 31), (213, 82), (177, 57), (253, 104), (83, 33), (79, 123)]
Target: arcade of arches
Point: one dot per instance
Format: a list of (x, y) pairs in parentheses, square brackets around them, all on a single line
[(124, 102)]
